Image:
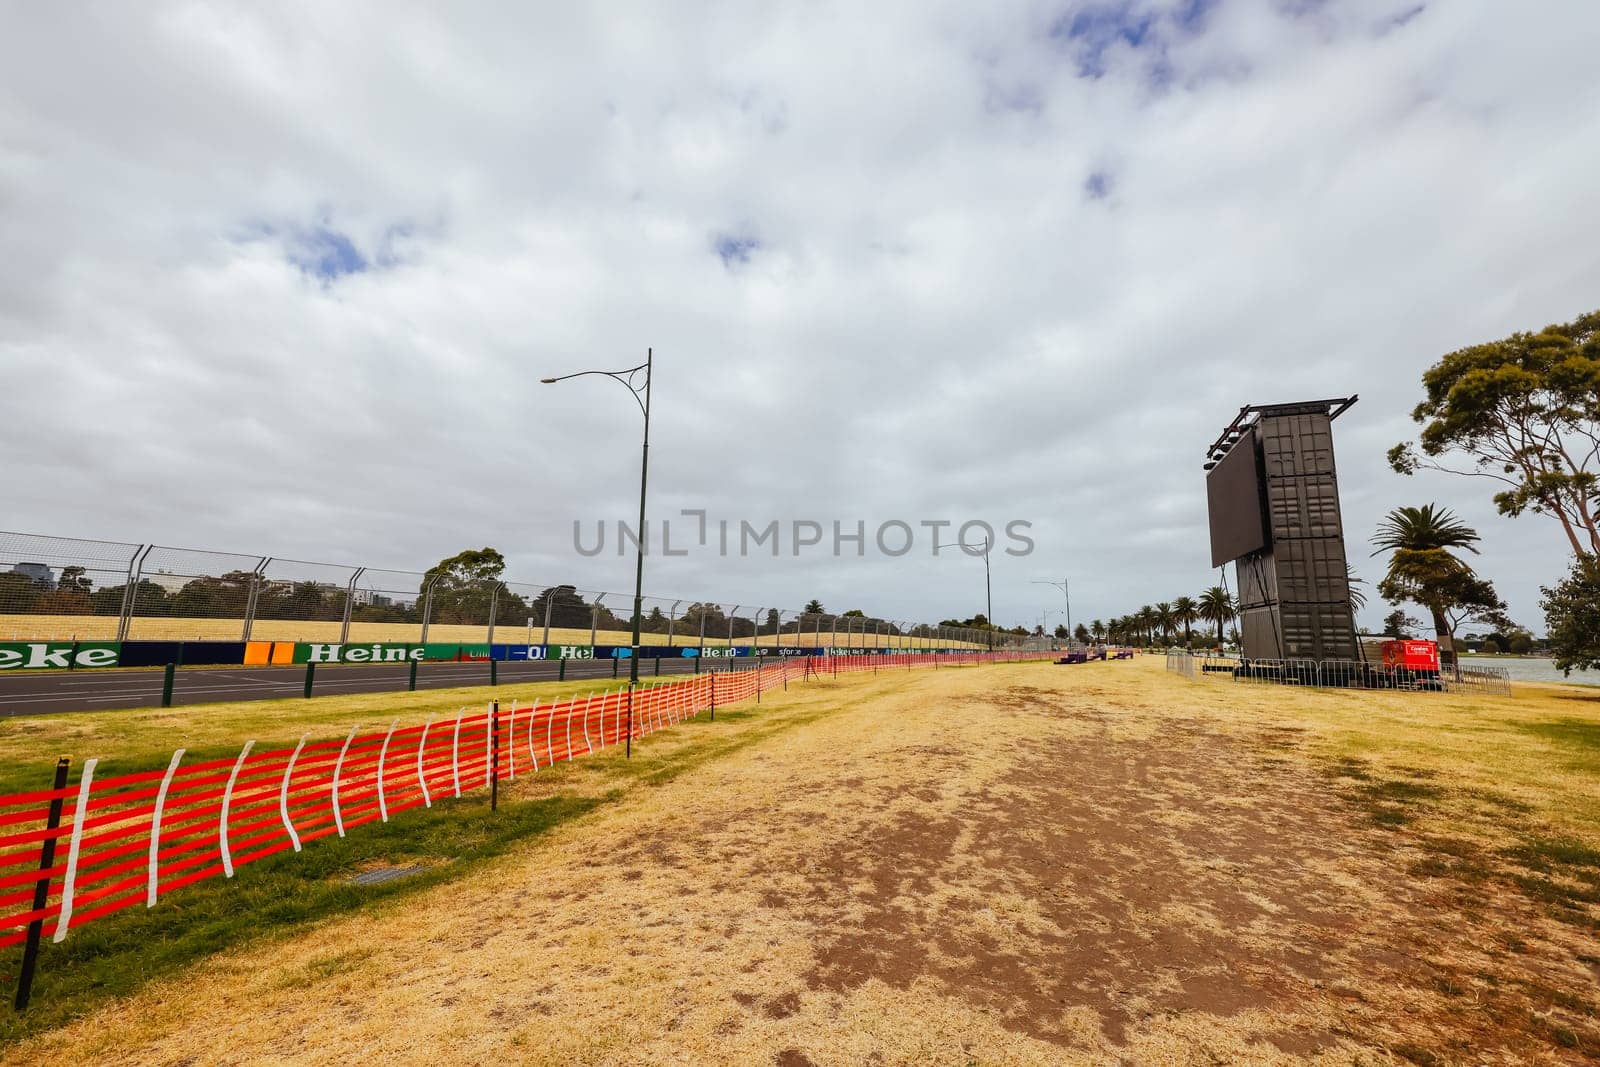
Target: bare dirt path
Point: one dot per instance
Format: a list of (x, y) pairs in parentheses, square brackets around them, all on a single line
[(1013, 865)]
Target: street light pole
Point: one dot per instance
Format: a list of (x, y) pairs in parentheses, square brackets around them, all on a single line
[(1044, 622), (641, 395), (988, 595), (1065, 586)]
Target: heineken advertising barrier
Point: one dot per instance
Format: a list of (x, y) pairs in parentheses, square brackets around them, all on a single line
[(458, 653), (78, 655), (57, 655)]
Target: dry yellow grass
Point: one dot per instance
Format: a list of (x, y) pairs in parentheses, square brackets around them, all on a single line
[(104, 628), (1009, 865)]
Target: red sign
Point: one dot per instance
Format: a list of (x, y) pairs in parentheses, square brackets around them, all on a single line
[(1411, 655)]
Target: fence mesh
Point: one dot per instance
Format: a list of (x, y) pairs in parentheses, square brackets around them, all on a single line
[(54, 588), (61, 588), (386, 606)]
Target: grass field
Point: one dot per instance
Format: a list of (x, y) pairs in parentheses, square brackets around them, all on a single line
[(104, 628), (1008, 864)]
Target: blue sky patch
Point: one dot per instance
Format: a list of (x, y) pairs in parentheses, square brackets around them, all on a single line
[(1093, 29), (1395, 22), (327, 253), (1191, 14), (735, 248)]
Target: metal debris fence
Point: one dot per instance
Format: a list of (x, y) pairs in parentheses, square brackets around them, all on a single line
[(1342, 674), (77, 852), (65, 588)]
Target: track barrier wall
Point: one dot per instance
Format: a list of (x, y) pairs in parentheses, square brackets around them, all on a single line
[(85, 655), (79, 851)]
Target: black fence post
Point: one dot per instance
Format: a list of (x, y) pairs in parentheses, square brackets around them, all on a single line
[(166, 685), (615, 663), (628, 751), (494, 755), (561, 670), (658, 666), (41, 889), (713, 696), (72, 657), (697, 664), (411, 686), (311, 675), (494, 672)]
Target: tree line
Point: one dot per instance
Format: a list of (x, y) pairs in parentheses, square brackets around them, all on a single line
[(463, 589)]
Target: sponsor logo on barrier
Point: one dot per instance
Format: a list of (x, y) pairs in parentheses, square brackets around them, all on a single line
[(57, 655), (377, 653), (576, 652)]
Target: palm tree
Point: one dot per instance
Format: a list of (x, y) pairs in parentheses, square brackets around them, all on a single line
[(1424, 528), (1165, 620), (814, 608), (1146, 619), (1358, 599), (1423, 569), (1216, 606), (1185, 612), (1098, 630)]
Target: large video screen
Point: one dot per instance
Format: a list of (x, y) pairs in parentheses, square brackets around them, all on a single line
[(1233, 497)]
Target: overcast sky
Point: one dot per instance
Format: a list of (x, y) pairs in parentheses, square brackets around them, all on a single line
[(282, 278)]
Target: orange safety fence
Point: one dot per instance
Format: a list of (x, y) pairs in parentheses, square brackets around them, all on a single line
[(129, 840)]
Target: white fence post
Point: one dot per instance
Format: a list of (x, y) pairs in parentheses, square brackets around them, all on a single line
[(70, 878), (283, 794), (338, 766), (422, 777), (570, 705), (227, 802), (455, 752), (533, 753), (383, 754), (511, 743), (550, 737), (155, 826)]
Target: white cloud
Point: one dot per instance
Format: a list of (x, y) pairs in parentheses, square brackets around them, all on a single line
[(938, 321)]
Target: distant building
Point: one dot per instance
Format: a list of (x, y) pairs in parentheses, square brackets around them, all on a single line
[(36, 572)]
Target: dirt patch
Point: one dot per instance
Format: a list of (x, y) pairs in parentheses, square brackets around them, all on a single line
[(1131, 913)]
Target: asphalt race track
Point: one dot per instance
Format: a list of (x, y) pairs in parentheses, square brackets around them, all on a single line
[(88, 690)]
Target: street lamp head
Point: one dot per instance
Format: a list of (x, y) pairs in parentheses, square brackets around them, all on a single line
[(547, 381)]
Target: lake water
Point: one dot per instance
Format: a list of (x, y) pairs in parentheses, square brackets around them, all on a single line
[(1533, 669)]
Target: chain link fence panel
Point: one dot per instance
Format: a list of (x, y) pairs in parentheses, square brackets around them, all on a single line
[(62, 588), (54, 588)]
